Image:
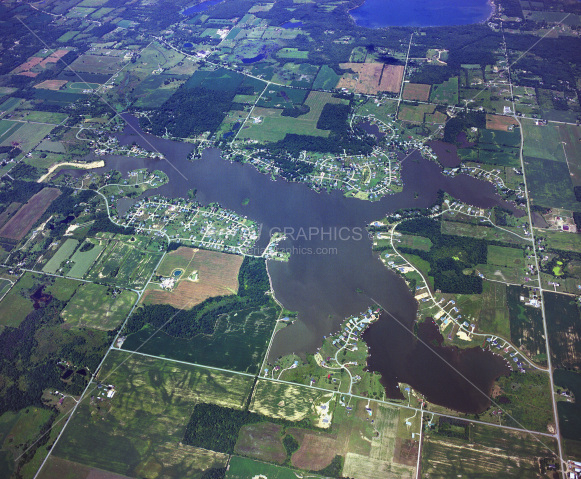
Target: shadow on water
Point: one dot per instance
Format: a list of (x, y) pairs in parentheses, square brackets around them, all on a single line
[(331, 256)]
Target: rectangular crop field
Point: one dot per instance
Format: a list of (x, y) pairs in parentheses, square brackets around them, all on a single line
[(446, 92), (99, 307), (20, 224), (17, 303), (63, 253), (481, 232), (494, 318), (571, 137), (416, 92), (542, 141), (286, 401), (97, 64), (85, 256), (204, 274), (499, 122), (28, 135), (549, 184), (488, 453), (326, 79), (502, 256), (415, 114), (7, 128), (139, 429), (371, 78), (245, 468)]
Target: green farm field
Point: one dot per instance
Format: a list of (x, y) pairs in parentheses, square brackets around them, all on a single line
[(446, 92), (98, 307), (494, 318), (481, 232), (550, 184), (84, 258), (245, 468), (140, 428), (62, 254), (542, 141), (28, 136), (503, 256)]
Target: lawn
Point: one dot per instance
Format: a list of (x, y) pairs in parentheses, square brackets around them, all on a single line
[(139, 431), (99, 307)]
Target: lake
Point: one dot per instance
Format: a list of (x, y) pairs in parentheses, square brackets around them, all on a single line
[(332, 257), (421, 13)]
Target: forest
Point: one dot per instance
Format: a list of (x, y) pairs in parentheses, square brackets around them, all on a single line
[(190, 112), (449, 256)]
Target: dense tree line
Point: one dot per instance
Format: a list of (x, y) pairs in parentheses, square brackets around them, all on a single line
[(189, 112), (462, 122), (449, 256), (216, 427)]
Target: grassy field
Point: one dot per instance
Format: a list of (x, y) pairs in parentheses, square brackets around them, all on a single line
[(28, 136), (488, 453), (7, 128), (97, 306), (138, 431), (244, 468), (446, 92), (285, 401), (326, 79), (481, 232), (274, 126), (414, 242), (97, 64), (571, 137), (62, 254), (542, 141), (560, 240), (503, 256), (415, 114), (549, 184), (17, 303), (83, 260), (494, 318)]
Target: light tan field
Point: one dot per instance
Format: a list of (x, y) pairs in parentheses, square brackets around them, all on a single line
[(416, 91), (371, 78), (51, 84), (217, 275), (499, 122)]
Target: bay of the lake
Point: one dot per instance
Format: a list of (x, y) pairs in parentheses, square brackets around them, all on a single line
[(421, 13)]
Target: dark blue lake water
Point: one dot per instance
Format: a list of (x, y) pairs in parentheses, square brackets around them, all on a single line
[(200, 7), (420, 13)]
